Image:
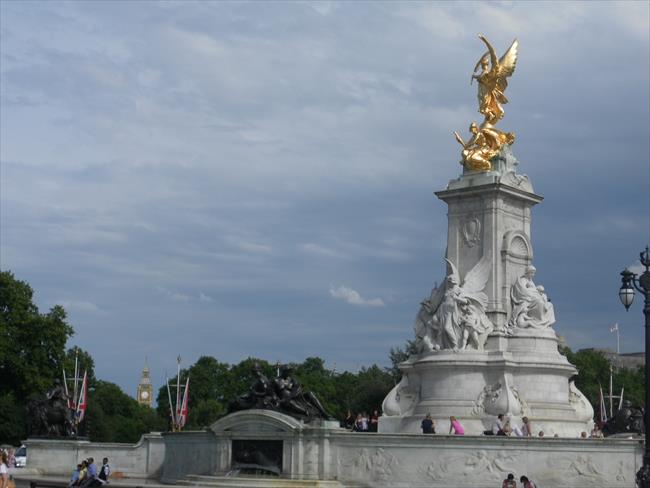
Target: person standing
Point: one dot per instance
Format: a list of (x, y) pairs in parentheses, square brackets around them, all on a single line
[(428, 425), (527, 428), (374, 421), (4, 471), (105, 471), (455, 426)]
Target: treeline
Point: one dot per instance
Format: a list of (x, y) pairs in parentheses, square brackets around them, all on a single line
[(33, 352)]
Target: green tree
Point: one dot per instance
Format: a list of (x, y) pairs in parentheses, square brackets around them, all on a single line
[(398, 355), (113, 416), (593, 372), (32, 345)]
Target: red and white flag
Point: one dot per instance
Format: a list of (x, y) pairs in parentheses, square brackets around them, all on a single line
[(83, 397), (182, 417)]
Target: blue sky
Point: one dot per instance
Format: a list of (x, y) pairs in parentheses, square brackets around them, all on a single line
[(235, 179)]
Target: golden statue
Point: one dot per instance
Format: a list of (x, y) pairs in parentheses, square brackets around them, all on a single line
[(487, 140), (484, 144)]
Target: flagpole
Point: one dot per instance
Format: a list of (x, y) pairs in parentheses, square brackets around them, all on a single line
[(76, 376), (178, 384), (618, 342), (611, 391), (171, 408)]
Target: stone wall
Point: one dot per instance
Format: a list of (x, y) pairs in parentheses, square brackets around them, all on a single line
[(406, 460), (59, 457)]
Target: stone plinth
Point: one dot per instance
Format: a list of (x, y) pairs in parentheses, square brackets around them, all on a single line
[(490, 216), (525, 376)]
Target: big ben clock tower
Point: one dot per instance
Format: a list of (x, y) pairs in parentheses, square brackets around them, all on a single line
[(145, 390)]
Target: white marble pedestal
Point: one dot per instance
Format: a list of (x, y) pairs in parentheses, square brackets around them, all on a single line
[(522, 375)]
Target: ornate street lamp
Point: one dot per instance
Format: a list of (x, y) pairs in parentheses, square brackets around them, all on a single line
[(626, 294)]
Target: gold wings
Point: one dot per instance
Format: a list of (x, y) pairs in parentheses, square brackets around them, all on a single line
[(505, 66)]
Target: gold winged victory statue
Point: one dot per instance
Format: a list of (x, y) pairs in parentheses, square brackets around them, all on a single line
[(486, 140)]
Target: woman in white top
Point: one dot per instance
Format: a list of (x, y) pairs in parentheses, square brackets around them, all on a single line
[(4, 472)]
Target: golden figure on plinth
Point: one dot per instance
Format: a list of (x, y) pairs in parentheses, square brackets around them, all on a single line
[(487, 140)]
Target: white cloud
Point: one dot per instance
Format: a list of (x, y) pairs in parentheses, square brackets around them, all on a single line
[(353, 297), (205, 298)]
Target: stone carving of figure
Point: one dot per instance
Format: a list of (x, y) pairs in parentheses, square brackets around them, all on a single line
[(531, 307), (454, 317)]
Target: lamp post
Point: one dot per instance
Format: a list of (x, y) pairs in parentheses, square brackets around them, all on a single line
[(630, 281)]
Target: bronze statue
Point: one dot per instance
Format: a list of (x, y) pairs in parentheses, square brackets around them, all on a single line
[(486, 140), (294, 399), (259, 395), (627, 420), (283, 394), (49, 414)]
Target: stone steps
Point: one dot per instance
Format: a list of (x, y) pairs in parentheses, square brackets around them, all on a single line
[(258, 482)]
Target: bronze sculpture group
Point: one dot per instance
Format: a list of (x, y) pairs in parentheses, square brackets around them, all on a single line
[(283, 394), (50, 416)]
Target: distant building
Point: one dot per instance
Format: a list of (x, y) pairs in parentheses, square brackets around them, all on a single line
[(628, 360), (145, 390)]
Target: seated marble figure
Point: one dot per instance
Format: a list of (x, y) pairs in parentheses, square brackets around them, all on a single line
[(531, 308)]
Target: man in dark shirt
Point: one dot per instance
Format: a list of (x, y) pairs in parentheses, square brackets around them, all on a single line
[(428, 426)]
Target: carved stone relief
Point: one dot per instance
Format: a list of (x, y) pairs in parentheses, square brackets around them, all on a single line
[(471, 231)]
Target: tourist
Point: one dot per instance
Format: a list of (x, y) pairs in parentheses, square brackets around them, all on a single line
[(526, 483), (507, 428), (596, 433), (527, 428), (455, 426), (348, 422), (509, 482), (583, 435), (361, 424), (4, 471), (497, 426), (93, 479), (105, 471), (516, 430), (541, 433), (374, 421), (11, 458), (428, 425), (74, 479), (83, 473)]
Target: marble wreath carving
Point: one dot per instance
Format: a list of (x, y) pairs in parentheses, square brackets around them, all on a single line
[(283, 394), (454, 316), (531, 308)]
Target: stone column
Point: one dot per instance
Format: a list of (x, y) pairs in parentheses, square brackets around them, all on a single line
[(490, 218)]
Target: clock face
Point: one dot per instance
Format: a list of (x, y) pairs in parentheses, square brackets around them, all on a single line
[(144, 395)]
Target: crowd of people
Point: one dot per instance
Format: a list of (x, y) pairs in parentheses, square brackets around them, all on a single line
[(502, 426), (362, 422), (86, 475)]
